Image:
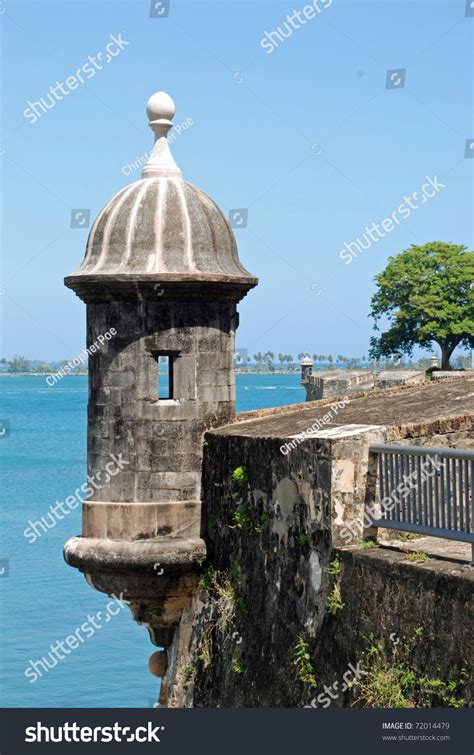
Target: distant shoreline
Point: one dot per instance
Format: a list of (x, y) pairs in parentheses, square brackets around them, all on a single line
[(238, 371), (84, 374), (81, 374), (39, 374)]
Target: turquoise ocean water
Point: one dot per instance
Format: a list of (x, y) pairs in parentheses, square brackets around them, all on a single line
[(43, 600)]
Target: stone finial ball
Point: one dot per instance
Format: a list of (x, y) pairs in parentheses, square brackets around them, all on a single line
[(160, 106), (158, 663)]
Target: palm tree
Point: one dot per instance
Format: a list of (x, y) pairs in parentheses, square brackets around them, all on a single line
[(269, 357), (258, 359)]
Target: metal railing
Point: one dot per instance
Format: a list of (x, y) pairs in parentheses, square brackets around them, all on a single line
[(429, 491)]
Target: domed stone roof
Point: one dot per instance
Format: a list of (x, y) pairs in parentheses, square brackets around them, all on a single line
[(160, 228)]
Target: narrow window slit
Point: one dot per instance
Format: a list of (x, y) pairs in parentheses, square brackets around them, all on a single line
[(165, 377)]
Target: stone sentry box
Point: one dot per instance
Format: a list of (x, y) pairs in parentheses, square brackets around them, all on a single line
[(160, 439), (162, 273)]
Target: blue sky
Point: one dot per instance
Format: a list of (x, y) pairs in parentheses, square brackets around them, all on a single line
[(306, 137)]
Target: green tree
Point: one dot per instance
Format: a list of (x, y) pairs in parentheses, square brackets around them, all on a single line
[(41, 368), (258, 359), (268, 359), (463, 363), (425, 293), (19, 364)]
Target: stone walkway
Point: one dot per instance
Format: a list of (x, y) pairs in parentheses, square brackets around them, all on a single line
[(436, 547), (391, 407)]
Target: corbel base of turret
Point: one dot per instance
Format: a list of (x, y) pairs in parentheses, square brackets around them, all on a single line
[(157, 578)]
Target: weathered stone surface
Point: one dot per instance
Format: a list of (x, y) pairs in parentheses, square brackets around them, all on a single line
[(115, 556), (387, 594), (139, 521), (330, 383), (450, 374), (394, 407), (391, 378), (325, 384), (271, 541), (157, 663), (162, 277), (126, 377), (161, 227), (157, 572)]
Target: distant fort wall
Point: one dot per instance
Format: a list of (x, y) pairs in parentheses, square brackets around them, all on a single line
[(345, 382)]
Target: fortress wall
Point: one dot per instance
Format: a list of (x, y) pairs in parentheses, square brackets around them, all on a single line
[(270, 540)]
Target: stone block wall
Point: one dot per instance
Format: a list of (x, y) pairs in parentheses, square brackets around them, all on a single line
[(273, 532), (413, 612), (158, 440), (338, 383), (270, 536), (391, 378), (346, 382)]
